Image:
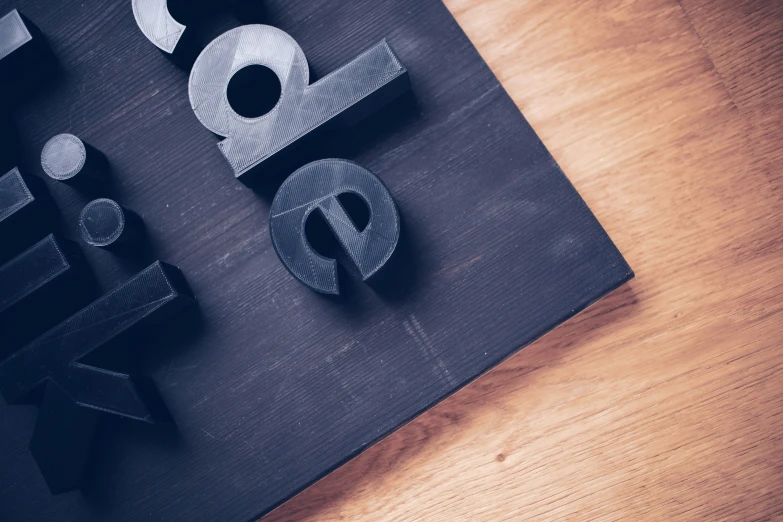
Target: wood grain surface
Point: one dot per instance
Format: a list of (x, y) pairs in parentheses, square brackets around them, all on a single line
[(271, 386), (664, 401)]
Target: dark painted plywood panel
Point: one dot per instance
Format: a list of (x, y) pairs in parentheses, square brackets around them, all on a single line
[(275, 385)]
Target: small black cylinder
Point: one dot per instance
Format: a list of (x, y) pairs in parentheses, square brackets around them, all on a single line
[(104, 223), (67, 158)]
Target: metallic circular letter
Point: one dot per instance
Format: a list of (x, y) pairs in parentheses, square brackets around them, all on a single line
[(103, 223), (362, 86), (63, 157), (316, 187), (157, 24)]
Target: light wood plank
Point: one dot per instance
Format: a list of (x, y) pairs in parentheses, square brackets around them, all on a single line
[(664, 400)]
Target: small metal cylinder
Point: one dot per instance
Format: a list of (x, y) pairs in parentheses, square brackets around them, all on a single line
[(105, 223), (67, 158)]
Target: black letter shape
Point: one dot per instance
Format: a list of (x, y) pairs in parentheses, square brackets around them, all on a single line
[(345, 96), (53, 361), (15, 198), (25, 59), (31, 288), (316, 186), (24, 218), (55, 355), (14, 34)]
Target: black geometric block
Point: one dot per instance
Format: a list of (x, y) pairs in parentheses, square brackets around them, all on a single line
[(15, 39), (38, 288), (22, 214), (105, 223), (62, 439), (67, 158), (52, 362), (9, 141), (151, 296), (15, 197), (25, 57)]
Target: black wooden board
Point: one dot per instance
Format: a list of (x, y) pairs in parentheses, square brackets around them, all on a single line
[(272, 386)]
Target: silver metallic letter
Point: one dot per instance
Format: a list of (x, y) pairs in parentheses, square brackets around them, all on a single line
[(316, 187), (157, 24), (370, 81)]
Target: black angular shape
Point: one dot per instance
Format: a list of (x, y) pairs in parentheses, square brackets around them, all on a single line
[(25, 58), (342, 98), (151, 296), (9, 141), (316, 187), (14, 34), (67, 158), (15, 197), (62, 439), (105, 223), (37, 288), (23, 217)]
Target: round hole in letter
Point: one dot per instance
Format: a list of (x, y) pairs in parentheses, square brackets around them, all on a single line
[(253, 91)]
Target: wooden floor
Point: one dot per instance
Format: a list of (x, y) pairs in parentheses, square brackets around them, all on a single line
[(664, 401)]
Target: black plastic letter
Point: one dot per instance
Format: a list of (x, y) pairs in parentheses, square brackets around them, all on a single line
[(316, 187), (25, 59), (55, 355), (74, 391), (31, 289), (369, 82), (22, 216)]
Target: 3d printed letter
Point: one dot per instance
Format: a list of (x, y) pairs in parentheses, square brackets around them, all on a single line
[(345, 96), (316, 187)]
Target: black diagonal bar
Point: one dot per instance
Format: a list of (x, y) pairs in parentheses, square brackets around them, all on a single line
[(15, 197), (25, 213), (26, 61), (62, 439), (31, 271), (38, 288), (151, 296)]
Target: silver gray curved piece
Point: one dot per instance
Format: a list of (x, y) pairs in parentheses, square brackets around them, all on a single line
[(377, 74), (157, 24), (316, 187)]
